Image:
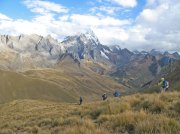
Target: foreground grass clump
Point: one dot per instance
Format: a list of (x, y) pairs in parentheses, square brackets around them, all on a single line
[(135, 114)]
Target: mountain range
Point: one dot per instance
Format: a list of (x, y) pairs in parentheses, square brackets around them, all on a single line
[(79, 64)]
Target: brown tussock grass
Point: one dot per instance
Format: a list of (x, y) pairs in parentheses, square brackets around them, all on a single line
[(134, 114)]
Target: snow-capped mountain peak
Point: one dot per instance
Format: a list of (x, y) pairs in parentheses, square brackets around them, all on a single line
[(87, 39), (91, 36)]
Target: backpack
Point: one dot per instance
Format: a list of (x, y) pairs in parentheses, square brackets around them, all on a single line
[(104, 96), (81, 99), (116, 94), (165, 84)]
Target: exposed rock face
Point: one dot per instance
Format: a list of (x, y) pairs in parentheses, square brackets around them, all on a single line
[(30, 51), (86, 46), (31, 43), (141, 67)]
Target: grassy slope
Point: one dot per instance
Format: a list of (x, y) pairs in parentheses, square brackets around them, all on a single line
[(77, 80), (17, 86), (139, 113), (65, 83), (87, 84)]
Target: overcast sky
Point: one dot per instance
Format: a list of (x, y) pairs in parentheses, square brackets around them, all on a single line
[(132, 24)]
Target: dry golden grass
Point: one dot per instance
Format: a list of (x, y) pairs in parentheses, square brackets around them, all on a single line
[(134, 114), (53, 84)]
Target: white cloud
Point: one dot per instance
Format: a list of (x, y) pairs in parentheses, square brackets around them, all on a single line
[(162, 20), (126, 3), (110, 35), (4, 17), (151, 2), (89, 20), (149, 15), (42, 7), (110, 10), (153, 15), (157, 26), (123, 3), (64, 18)]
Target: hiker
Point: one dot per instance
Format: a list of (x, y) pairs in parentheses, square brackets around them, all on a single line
[(80, 100), (104, 96), (116, 94), (164, 84)]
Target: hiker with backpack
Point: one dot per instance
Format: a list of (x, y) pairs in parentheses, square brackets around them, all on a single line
[(116, 94), (104, 96), (80, 100), (164, 84)]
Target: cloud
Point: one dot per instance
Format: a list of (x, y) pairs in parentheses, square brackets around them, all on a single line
[(42, 7), (89, 20), (149, 15), (162, 20), (111, 35), (123, 3), (4, 17), (157, 25), (109, 10), (151, 2), (126, 3)]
